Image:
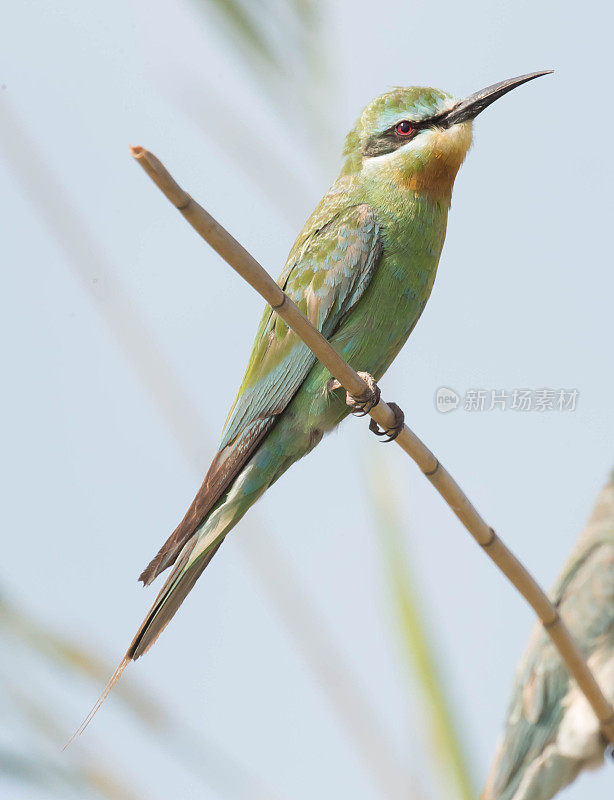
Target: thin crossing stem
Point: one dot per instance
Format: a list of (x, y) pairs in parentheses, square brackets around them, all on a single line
[(250, 270)]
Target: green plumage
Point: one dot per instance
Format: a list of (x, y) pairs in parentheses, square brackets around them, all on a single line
[(362, 270)]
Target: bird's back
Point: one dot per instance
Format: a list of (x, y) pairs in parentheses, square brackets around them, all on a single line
[(551, 733)]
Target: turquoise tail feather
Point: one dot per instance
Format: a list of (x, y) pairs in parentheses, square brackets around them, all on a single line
[(290, 439), (176, 588)]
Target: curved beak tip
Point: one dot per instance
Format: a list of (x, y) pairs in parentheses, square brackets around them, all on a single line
[(473, 105)]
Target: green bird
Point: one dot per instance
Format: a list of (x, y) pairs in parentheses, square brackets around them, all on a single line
[(551, 733), (361, 269)]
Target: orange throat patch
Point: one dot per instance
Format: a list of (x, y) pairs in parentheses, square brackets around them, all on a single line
[(433, 170)]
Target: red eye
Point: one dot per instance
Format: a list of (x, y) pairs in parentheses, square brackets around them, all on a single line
[(404, 128)]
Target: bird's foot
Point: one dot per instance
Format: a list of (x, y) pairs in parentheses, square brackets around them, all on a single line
[(360, 406), (391, 433)]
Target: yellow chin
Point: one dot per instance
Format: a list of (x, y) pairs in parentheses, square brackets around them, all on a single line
[(429, 164)]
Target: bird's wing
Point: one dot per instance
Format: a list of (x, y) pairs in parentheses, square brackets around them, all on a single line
[(327, 272), (584, 596)]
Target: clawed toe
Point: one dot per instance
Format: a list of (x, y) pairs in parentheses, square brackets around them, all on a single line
[(362, 405), (395, 430)]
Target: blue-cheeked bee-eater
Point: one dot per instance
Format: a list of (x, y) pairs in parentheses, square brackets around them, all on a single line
[(361, 269)]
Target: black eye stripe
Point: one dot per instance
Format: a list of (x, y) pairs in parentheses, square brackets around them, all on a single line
[(387, 142)]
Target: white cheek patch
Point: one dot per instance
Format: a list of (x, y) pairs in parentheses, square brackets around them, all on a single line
[(447, 143), (374, 164), (398, 157), (422, 143)]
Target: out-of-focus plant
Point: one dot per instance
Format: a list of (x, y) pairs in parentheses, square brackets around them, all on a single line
[(284, 45), (412, 623), (32, 655), (31, 733)]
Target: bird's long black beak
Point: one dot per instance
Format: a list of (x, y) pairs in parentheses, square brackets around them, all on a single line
[(473, 105)]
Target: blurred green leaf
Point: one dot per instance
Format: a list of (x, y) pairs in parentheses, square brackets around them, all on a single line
[(413, 627), (282, 41), (65, 654), (245, 26), (35, 771), (77, 771), (42, 763)]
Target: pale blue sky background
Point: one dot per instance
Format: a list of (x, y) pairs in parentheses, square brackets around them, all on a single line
[(93, 479)]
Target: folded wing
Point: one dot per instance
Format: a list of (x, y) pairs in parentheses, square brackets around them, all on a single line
[(327, 272)]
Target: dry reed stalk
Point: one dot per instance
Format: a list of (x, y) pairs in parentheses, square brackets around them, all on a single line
[(250, 270)]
